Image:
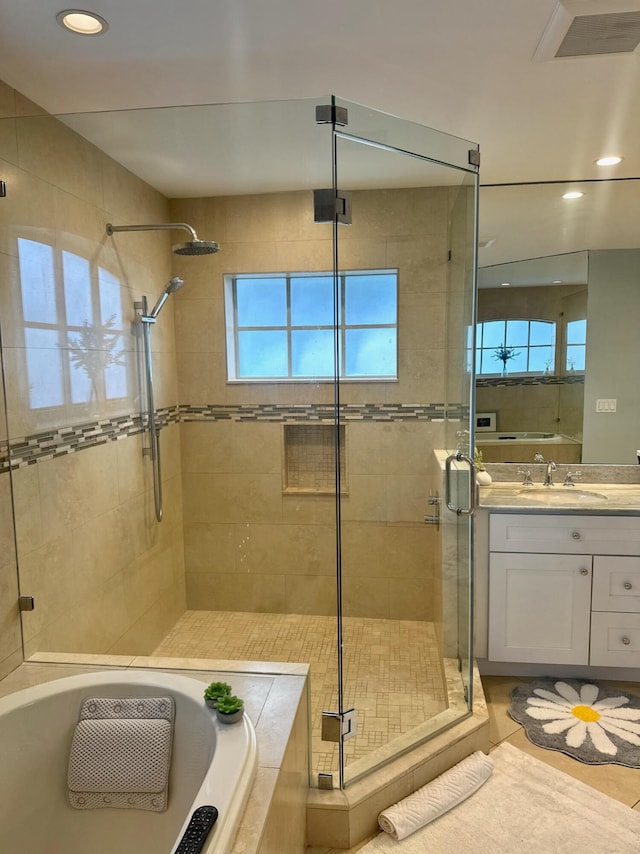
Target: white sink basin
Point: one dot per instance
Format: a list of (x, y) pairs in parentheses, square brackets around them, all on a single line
[(560, 495)]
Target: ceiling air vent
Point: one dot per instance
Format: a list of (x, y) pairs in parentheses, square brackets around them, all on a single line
[(617, 32), (571, 34)]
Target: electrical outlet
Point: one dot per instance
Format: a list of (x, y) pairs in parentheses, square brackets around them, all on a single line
[(606, 404)]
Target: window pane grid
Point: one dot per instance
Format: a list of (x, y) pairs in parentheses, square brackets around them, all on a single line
[(528, 357), (310, 350)]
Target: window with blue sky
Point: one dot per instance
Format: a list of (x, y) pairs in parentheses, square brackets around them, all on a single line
[(284, 326), (530, 344)]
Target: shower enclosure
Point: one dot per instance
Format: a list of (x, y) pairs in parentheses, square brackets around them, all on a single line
[(311, 380)]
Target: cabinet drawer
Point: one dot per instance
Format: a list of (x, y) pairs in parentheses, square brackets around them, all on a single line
[(564, 534), (615, 639), (616, 584)]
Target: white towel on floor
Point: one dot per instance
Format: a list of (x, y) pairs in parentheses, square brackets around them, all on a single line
[(121, 753), (437, 797)]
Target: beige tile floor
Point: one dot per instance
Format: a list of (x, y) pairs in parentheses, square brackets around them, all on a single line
[(616, 781), (392, 673)]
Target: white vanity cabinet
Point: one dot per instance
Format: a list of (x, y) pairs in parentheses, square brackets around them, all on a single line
[(564, 589)]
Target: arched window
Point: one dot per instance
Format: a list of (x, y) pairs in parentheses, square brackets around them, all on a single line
[(515, 347)]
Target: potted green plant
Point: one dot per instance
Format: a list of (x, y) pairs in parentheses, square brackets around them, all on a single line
[(229, 709), (214, 691), (504, 354)]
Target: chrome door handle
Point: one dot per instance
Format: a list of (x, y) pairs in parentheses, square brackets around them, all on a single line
[(627, 585), (584, 571), (460, 458)]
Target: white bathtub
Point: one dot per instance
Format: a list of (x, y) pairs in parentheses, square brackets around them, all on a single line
[(518, 438), (212, 763)]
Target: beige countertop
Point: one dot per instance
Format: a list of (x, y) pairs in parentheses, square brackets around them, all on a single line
[(583, 497)]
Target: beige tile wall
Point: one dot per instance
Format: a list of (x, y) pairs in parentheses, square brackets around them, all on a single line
[(248, 546), (104, 574)]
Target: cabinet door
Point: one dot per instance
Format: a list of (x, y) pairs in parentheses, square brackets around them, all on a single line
[(539, 608)]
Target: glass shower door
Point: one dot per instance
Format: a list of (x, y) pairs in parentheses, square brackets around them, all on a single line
[(405, 285)]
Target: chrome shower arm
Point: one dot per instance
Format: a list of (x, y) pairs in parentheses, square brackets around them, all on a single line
[(163, 226)]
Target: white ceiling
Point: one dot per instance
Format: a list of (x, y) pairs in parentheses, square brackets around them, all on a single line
[(465, 67)]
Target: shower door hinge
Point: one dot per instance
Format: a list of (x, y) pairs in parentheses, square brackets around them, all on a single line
[(330, 114), (474, 157), (26, 603), (3, 189), (325, 781), (332, 205), (336, 726)]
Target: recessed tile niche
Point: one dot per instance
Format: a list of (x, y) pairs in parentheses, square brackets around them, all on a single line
[(309, 459)]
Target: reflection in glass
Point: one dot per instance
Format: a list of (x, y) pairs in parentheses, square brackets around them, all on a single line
[(67, 311), (515, 347), (77, 289), (44, 368), (576, 345), (37, 281)]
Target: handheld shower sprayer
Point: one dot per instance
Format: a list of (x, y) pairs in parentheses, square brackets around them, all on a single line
[(173, 285), (195, 246)]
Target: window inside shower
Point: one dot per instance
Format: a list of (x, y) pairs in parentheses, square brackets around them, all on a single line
[(282, 326)]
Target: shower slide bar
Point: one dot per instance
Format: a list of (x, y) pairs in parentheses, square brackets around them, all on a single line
[(153, 450), (147, 318)]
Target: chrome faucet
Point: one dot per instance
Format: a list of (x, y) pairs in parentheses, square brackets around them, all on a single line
[(548, 478), (551, 467)]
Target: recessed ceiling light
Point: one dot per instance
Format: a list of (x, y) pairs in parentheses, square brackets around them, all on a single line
[(505, 285), (613, 160), (82, 22), (573, 194), (556, 282)]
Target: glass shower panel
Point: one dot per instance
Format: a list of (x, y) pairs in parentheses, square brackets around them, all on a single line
[(401, 614), (460, 392)]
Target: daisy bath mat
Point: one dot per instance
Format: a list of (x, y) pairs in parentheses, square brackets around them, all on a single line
[(589, 721)]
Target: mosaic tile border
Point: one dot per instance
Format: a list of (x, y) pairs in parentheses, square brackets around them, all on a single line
[(49, 444), (491, 382), (322, 413)]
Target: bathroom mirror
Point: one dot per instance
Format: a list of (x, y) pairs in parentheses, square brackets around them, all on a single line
[(543, 257)]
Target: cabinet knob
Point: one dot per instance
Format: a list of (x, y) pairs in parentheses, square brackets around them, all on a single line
[(576, 535), (584, 571), (627, 585), (626, 641)]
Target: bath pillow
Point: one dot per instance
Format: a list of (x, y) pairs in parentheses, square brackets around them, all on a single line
[(121, 753)]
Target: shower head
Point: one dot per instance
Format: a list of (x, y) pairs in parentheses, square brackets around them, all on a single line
[(195, 246), (173, 285)]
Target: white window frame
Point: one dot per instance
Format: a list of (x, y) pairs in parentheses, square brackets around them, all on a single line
[(528, 346), (232, 328)]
